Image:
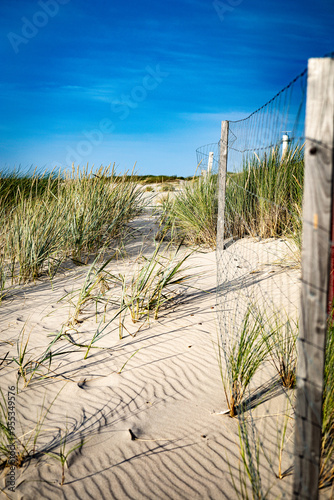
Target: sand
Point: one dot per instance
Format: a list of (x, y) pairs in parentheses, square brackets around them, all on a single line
[(169, 395)]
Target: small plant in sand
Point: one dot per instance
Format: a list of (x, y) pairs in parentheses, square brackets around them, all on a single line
[(64, 334), (126, 362), (15, 449), (97, 283), (100, 332), (243, 357), (153, 285), (281, 338), (94, 288), (252, 449), (155, 282), (283, 439), (29, 367), (284, 434), (250, 478), (63, 454)]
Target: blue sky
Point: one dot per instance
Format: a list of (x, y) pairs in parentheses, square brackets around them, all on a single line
[(143, 81)]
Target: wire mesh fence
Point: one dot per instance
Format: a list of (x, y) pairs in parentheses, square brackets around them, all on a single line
[(259, 281), (208, 158)]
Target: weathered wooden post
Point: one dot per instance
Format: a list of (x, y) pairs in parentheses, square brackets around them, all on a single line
[(316, 251), (222, 185)]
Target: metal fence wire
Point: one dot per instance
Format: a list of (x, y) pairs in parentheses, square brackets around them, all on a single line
[(259, 280)]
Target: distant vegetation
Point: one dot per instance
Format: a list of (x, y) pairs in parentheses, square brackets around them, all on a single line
[(154, 179)]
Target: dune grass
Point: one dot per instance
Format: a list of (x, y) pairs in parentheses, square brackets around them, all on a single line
[(30, 184), (34, 237), (48, 219), (250, 450), (265, 199), (280, 336), (192, 215), (152, 285), (154, 282), (97, 207), (64, 453), (252, 447), (243, 355)]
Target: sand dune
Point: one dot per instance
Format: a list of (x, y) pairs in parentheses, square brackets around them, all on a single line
[(151, 431)]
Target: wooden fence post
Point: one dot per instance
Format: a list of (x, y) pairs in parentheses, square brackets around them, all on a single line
[(317, 221), (222, 185)]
